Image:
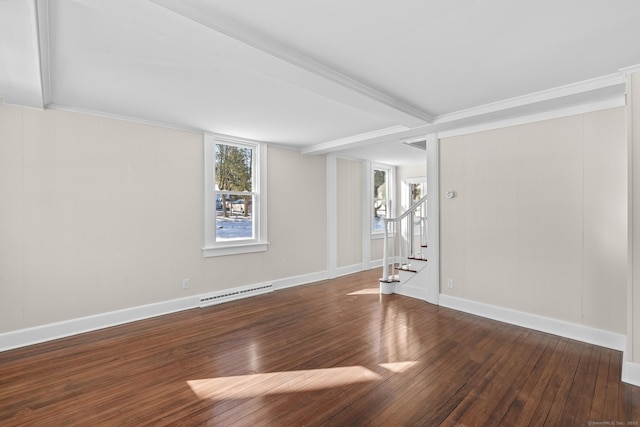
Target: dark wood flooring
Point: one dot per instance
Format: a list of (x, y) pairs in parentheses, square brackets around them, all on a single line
[(333, 353)]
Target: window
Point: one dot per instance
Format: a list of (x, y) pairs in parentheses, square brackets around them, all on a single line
[(235, 197), (382, 196), (416, 188)]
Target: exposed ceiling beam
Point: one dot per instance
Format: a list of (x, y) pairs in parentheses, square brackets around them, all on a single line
[(606, 91), (403, 113), (43, 49), (615, 82), (24, 77), (353, 141)]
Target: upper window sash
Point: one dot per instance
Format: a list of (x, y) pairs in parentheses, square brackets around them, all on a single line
[(382, 197), (257, 241)]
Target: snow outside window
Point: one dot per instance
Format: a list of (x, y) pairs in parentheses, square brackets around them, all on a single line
[(234, 196)]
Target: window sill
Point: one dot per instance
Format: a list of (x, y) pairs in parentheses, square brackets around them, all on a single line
[(225, 250)]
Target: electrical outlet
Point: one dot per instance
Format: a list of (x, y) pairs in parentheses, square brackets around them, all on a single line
[(450, 283), (185, 284)]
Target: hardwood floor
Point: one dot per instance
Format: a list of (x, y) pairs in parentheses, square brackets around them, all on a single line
[(332, 353)]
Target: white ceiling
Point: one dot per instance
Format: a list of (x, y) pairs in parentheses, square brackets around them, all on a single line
[(320, 76)]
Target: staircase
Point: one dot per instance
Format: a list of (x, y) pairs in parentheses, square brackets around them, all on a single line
[(405, 243)]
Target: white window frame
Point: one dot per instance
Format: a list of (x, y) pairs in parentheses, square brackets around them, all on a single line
[(408, 197), (391, 195), (259, 243)]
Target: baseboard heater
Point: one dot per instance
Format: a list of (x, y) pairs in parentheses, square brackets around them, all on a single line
[(234, 294)]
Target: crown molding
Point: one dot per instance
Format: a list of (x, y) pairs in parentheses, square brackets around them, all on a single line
[(104, 115), (533, 98), (629, 70), (529, 108), (278, 50), (618, 101)]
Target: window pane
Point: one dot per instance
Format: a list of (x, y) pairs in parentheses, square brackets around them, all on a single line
[(416, 194), (234, 174), (379, 184), (234, 168), (380, 203), (380, 213), (234, 217)]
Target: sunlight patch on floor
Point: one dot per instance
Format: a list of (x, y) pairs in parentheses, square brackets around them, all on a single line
[(368, 291), (398, 367), (247, 386)]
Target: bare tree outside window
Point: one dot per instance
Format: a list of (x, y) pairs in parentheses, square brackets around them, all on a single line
[(380, 201), (234, 191)]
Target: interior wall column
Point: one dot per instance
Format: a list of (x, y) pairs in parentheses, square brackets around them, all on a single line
[(433, 218), (631, 363)]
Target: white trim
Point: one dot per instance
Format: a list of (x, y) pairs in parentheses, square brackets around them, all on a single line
[(352, 141), (618, 101), (100, 114), (349, 269), (289, 282), (257, 40), (375, 263), (235, 249), (259, 242), (390, 196), (433, 219), (387, 288), (42, 28), (630, 371), (37, 56), (452, 124), (332, 216), (533, 98), (410, 291), (629, 70), (415, 180), (631, 189), (52, 331), (561, 328), (366, 217), (406, 198)]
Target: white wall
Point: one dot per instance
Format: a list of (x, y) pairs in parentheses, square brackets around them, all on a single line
[(297, 214), (539, 221), (349, 212), (98, 214)]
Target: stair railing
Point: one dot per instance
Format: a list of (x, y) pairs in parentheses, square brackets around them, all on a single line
[(402, 230)]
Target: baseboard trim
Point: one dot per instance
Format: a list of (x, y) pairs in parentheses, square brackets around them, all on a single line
[(630, 370), (304, 279), (67, 328), (375, 263), (411, 291), (52, 331), (349, 269), (561, 328)]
